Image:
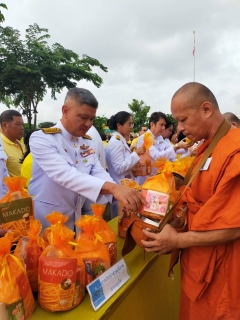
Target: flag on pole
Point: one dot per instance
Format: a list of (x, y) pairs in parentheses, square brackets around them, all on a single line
[(193, 52)]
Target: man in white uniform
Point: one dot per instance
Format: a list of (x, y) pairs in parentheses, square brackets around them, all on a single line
[(66, 169), (159, 149)]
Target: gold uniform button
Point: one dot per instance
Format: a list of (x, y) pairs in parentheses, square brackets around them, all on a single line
[(76, 161), (75, 146)]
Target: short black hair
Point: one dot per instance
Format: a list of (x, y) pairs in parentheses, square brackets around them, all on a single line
[(156, 116), (82, 96), (121, 117), (7, 116)]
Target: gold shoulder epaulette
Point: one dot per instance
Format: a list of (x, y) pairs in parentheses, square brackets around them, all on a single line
[(51, 130), (118, 137), (87, 137)]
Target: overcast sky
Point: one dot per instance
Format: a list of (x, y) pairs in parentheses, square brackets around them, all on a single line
[(146, 46)]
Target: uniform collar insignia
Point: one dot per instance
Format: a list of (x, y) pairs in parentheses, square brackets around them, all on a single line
[(51, 130), (84, 147), (87, 137), (118, 137)]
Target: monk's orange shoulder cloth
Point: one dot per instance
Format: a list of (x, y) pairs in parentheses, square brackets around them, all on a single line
[(214, 203)]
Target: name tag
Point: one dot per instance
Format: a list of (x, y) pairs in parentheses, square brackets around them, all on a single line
[(206, 164), (102, 288), (87, 153)]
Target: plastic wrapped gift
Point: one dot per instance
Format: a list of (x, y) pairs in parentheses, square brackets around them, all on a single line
[(61, 272), (16, 208), (91, 247), (160, 193), (16, 298), (144, 167), (29, 250)]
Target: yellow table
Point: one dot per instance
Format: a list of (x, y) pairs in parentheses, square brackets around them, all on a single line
[(149, 294)]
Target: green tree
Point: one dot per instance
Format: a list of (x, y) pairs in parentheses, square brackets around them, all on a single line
[(29, 67), (139, 112), (46, 124), (99, 123), (2, 18), (171, 119)]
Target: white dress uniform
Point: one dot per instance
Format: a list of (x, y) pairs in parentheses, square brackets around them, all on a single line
[(120, 159), (65, 171), (3, 170), (100, 153), (159, 149), (98, 145)]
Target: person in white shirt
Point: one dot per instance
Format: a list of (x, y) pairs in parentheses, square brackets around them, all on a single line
[(120, 159), (159, 149)]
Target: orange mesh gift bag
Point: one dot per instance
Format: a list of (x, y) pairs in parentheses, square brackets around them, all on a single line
[(91, 247), (16, 298), (105, 232), (61, 273), (16, 208), (144, 167), (54, 217), (29, 249)]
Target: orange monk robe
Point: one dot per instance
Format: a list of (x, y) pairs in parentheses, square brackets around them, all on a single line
[(211, 274)]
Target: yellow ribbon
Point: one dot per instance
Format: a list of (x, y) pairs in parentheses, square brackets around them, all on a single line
[(97, 238), (5, 269)]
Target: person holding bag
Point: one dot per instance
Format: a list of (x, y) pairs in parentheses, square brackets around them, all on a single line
[(210, 247), (120, 158)]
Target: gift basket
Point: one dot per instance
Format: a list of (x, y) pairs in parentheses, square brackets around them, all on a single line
[(16, 208), (143, 167), (61, 272), (29, 250), (91, 247), (16, 298)]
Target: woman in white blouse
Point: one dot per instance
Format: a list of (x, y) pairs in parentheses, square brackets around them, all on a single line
[(119, 157)]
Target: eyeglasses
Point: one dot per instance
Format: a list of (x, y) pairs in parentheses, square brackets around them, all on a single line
[(130, 124), (144, 130)]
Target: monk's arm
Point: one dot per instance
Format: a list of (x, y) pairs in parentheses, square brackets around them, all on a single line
[(204, 238)]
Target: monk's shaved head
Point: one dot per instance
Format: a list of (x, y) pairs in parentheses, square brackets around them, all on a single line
[(232, 118), (194, 94)]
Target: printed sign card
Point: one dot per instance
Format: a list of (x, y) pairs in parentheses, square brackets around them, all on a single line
[(102, 288)]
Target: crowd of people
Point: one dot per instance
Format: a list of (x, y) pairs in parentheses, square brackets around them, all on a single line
[(71, 167)]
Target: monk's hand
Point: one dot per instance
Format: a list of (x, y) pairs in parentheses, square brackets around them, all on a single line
[(163, 242), (130, 198)]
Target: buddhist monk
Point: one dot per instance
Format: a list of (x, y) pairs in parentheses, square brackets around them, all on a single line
[(232, 118), (210, 248)]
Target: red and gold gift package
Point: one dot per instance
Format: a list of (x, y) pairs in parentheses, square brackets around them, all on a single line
[(16, 208), (91, 247), (61, 272), (16, 298), (124, 214), (29, 250), (143, 167)]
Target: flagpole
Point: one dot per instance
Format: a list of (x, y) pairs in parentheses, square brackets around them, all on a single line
[(193, 56)]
